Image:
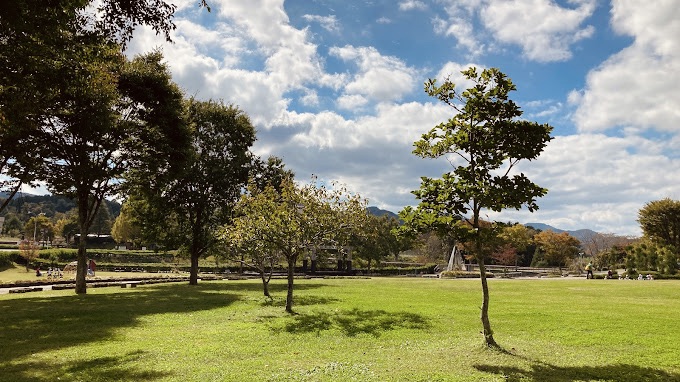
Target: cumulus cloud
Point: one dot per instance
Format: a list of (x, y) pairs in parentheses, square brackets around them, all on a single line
[(408, 5), (543, 29), (379, 77), (351, 101), (598, 181), (329, 23), (252, 56), (452, 72), (637, 87)]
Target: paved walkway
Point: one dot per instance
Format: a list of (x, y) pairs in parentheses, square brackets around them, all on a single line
[(7, 290)]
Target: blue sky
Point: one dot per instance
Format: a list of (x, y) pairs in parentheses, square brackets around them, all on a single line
[(335, 88)]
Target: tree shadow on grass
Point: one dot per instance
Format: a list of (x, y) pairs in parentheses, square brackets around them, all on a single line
[(545, 372), (36, 324), (97, 369), (300, 301), (354, 322), (274, 287)]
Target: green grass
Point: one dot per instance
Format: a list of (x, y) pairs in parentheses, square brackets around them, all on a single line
[(384, 329), (15, 272)]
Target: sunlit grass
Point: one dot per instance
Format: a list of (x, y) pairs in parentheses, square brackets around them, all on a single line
[(384, 329), (14, 273)]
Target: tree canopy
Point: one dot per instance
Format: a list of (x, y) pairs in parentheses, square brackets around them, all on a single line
[(296, 220), (660, 221), (197, 194)]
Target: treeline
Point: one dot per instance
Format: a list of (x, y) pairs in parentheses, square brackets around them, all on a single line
[(52, 218)]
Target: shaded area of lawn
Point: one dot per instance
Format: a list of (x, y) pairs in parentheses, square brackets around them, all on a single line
[(541, 371), (96, 369), (356, 321), (39, 324)]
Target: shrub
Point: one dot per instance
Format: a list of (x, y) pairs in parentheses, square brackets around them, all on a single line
[(463, 275), (6, 258)]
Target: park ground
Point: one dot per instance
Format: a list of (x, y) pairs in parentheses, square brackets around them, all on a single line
[(377, 329)]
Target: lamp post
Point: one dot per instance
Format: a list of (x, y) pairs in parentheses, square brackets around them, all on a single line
[(35, 225)]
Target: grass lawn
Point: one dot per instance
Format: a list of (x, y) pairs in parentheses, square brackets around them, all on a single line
[(16, 272), (381, 329)]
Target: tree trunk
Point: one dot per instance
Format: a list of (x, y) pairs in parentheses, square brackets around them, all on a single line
[(81, 269), (265, 284), (291, 274), (488, 333), (193, 273)]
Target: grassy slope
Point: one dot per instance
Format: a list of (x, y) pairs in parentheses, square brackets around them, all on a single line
[(364, 330)]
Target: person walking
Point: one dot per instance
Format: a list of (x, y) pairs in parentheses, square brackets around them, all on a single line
[(589, 270)]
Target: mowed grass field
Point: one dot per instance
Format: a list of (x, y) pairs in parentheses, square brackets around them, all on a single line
[(380, 329), (16, 273)]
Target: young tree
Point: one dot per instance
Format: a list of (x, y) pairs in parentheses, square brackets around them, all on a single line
[(197, 194), (28, 249), (483, 141), (297, 219), (246, 238)]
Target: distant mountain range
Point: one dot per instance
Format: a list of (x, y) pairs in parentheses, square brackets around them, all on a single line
[(581, 234), (378, 212)]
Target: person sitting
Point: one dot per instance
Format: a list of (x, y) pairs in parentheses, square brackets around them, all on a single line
[(37, 272)]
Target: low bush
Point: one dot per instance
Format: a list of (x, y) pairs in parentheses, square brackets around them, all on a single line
[(463, 275), (7, 258)]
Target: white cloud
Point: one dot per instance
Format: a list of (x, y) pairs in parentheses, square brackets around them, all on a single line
[(380, 78), (598, 181), (544, 30), (637, 88), (452, 71), (409, 5), (329, 23), (250, 55), (351, 101), (311, 98)]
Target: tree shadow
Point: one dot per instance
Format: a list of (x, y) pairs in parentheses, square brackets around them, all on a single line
[(32, 325), (274, 287), (354, 322), (97, 369), (300, 301), (541, 371)]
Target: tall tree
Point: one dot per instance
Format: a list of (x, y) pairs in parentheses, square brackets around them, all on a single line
[(660, 221), (125, 229), (197, 194), (102, 117), (42, 46), (484, 141)]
